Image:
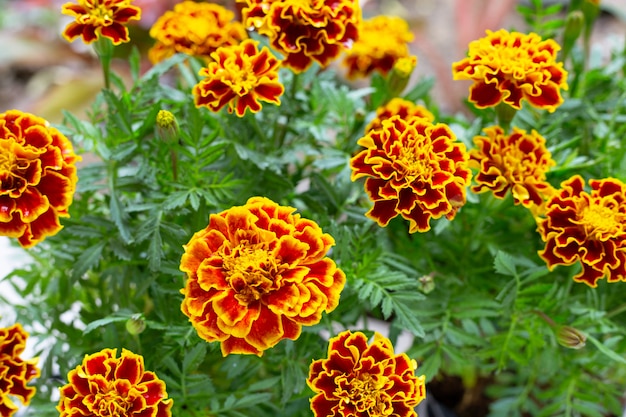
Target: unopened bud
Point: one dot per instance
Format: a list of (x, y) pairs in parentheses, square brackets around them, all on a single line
[(400, 74), (570, 337), (166, 126), (427, 283), (573, 28), (135, 325)]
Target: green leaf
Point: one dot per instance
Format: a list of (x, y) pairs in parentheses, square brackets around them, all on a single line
[(430, 366), (606, 351), (103, 322), (406, 316), (194, 357), (88, 259), (504, 264), (120, 218), (135, 63)]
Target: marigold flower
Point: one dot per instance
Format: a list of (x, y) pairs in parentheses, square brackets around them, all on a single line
[(195, 29), (240, 76), (95, 18), (105, 385), (413, 168), (518, 162), (256, 275), (382, 41), (37, 177), (361, 380), (511, 67), (588, 228), (305, 31), (399, 107), (15, 373)]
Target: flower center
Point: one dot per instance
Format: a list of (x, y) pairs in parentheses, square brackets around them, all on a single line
[(242, 78), (98, 13), (110, 403), (250, 270), (600, 222), (414, 164), (365, 393)]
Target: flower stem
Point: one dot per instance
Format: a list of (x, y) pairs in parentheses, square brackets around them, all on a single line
[(104, 49)]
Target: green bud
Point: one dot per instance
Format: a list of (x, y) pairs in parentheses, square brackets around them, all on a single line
[(400, 74), (427, 283), (136, 324), (167, 126), (570, 337), (591, 10), (573, 28)]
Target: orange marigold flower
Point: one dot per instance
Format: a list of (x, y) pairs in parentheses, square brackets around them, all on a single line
[(105, 385), (413, 168), (256, 275), (15, 373), (37, 177), (511, 67), (305, 31), (517, 162), (240, 76), (95, 18), (382, 41), (587, 227), (361, 380), (195, 29), (399, 107)]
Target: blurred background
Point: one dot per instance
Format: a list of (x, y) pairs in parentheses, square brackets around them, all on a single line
[(42, 73)]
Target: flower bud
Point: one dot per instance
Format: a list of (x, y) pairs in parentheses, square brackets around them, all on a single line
[(573, 28), (570, 337), (166, 126), (136, 324), (427, 283), (400, 74)]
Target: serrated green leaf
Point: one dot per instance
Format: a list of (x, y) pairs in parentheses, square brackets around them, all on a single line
[(103, 322), (251, 399), (504, 264), (430, 366), (406, 317), (88, 259), (119, 217), (155, 251), (194, 357)]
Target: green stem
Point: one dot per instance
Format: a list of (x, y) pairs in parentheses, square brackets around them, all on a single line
[(616, 311), (291, 96), (174, 160), (104, 50)]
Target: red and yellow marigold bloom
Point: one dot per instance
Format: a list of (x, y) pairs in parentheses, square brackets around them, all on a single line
[(240, 76), (399, 107), (195, 29), (105, 385), (96, 18), (15, 373), (305, 31), (517, 162), (256, 275), (414, 169), (587, 227), (508, 67), (358, 379), (37, 177), (382, 41)]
